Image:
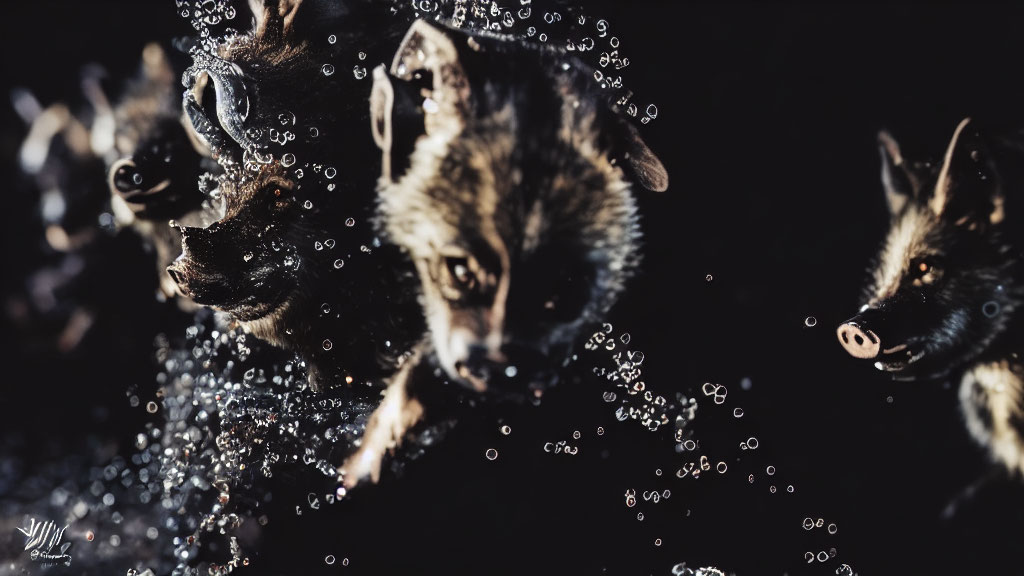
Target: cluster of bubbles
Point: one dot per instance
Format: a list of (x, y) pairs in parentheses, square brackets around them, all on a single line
[(639, 403), (588, 38), (206, 16)]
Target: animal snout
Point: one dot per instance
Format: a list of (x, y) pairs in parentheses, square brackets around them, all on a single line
[(858, 341), (514, 363)]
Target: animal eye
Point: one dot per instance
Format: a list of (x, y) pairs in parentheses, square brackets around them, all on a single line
[(458, 269)]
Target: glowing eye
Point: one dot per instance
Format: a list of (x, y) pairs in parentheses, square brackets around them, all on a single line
[(460, 273)]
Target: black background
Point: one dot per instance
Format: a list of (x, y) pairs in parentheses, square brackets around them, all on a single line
[(767, 124)]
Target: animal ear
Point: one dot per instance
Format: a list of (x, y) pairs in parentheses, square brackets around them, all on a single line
[(427, 49), (278, 19), (968, 190), (899, 182), (641, 161), (382, 99)]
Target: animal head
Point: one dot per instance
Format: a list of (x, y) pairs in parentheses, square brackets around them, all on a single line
[(942, 289), (509, 184)]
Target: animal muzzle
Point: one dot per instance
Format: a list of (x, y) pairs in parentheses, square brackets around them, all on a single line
[(514, 368), (859, 340)]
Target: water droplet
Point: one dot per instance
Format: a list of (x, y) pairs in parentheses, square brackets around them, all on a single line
[(772, 489), (752, 443), (329, 243), (287, 159), (308, 204), (344, 561), (329, 559), (338, 263), (832, 529), (652, 111), (722, 467), (737, 412), (325, 308), (576, 435), (770, 470), (359, 72), (810, 321), (600, 431), (327, 344), (327, 69), (491, 454), (640, 516), (350, 222), (790, 489), (657, 541), (332, 39), (330, 172), (318, 245), (506, 430), (151, 407)]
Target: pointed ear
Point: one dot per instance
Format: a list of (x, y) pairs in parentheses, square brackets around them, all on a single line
[(382, 99), (428, 49), (641, 161), (968, 190), (274, 18), (899, 182)]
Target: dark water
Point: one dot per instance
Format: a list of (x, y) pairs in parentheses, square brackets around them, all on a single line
[(767, 122)]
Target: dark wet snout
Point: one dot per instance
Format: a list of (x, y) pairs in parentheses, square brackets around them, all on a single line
[(857, 339), (516, 364)]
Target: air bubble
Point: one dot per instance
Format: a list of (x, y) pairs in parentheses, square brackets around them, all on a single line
[(722, 467), (657, 541), (737, 412), (329, 559), (359, 72), (338, 263), (308, 204), (350, 222), (330, 172), (770, 470), (287, 159), (332, 39), (652, 111), (709, 277), (327, 344), (810, 321), (491, 454), (640, 516), (361, 55), (600, 431), (506, 430), (832, 529), (327, 69), (151, 407), (752, 444), (990, 309), (576, 435)]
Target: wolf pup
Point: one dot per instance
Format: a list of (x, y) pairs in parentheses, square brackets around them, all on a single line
[(946, 288), (507, 181)]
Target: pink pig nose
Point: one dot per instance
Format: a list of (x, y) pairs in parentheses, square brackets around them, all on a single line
[(858, 342)]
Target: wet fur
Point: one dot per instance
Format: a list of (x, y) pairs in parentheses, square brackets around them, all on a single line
[(960, 317)]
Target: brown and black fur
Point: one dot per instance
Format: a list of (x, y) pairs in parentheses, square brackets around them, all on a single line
[(947, 287), (507, 181)]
